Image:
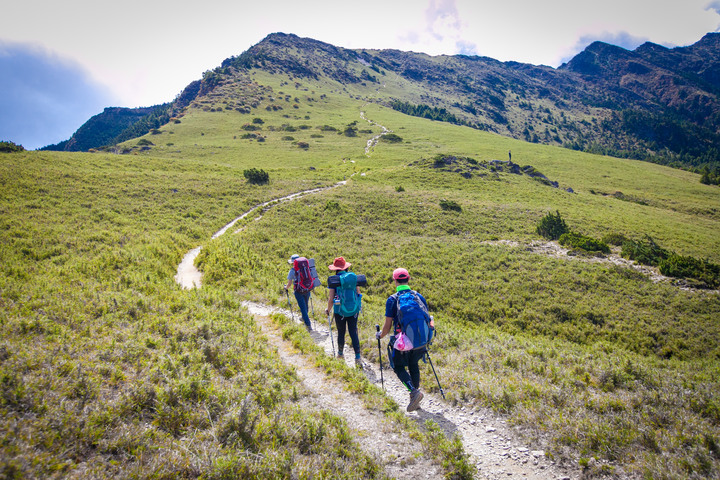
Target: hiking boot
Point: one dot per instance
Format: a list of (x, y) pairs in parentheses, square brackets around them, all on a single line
[(415, 397), (358, 362), (309, 328)]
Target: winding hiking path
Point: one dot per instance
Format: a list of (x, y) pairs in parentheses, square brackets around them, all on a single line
[(494, 447), (188, 276), (400, 456)]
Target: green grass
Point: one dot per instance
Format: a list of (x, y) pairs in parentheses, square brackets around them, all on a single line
[(101, 346), (106, 366)]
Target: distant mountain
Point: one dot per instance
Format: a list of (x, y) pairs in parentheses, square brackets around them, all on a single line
[(117, 124), (653, 103)]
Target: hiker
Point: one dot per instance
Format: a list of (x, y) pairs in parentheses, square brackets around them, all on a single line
[(302, 295), (345, 302), (407, 307)]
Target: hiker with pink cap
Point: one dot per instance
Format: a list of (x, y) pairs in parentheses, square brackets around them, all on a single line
[(407, 316), (344, 300)]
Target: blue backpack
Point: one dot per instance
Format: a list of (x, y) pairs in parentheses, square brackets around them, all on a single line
[(413, 317), (349, 298)]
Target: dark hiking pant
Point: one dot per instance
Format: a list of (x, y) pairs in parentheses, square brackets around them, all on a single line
[(407, 368), (349, 324)]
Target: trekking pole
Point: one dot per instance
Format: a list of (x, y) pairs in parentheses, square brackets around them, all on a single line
[(382, 380), (289, 304), (332, 342), (436, 377), (312, 306)]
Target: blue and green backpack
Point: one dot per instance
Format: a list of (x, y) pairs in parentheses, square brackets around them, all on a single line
[(350, 300)]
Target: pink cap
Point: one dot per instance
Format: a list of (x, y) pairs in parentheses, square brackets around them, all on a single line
[(400, 274)]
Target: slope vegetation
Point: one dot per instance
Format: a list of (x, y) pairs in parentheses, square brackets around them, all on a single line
[(109, 369)]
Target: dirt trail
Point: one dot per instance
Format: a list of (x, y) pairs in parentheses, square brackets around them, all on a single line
[(495, 448), (371, 143), (400, 456), (188, 276), (554, 249)]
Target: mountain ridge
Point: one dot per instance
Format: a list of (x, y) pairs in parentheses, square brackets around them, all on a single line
[(653, 103)]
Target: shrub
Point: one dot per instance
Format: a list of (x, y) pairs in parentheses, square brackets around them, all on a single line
[(288, 138), (689, 267), (258, 121), (327, 128), (256, 176), (250, 127), (399, 188), (448, 205), (144, 142), (581, 242), (552, 226), (10, 147), (303, 145), (646, 251), (391, 138), (350, 131)]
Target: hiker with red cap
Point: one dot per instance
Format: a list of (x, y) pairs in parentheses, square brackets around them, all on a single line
[(344, 300), (406, 314)]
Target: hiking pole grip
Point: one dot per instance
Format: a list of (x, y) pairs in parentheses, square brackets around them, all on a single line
[(382, 380)]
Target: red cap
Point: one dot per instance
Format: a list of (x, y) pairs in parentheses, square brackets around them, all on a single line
[(400, 274)]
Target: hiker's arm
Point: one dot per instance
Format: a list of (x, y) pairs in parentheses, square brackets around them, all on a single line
[(331, 297), (287, 287), (387, 327)]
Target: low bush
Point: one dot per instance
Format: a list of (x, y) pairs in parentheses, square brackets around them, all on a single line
[(256, 176), (645, 251), (391, 138), (552, 226), (581, 242), (450, 205), (689, 267), (10, 147)]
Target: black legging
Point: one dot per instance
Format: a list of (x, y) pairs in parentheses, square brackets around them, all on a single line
[(404, 361), (351, 324)]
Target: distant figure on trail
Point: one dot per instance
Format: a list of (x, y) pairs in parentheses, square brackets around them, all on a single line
[(509, 155), (297, 276), (406, 313), (345, 302)]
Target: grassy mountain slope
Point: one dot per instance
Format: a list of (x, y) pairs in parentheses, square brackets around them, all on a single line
[(109, 368), (654, 103)]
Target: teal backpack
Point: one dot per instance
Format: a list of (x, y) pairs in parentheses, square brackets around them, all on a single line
[(350, 300)]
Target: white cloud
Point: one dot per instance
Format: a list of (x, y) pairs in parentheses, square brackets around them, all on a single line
[(147, 52)]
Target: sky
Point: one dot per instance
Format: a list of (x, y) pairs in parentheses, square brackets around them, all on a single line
[(63, 61)]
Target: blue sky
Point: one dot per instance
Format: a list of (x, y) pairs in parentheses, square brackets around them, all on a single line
[(62, 62)]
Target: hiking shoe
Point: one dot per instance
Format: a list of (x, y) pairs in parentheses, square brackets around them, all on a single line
[(415, 397), (358, 362), (309, 328)]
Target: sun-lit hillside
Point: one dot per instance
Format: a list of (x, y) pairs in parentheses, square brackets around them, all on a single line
[(108, 368)]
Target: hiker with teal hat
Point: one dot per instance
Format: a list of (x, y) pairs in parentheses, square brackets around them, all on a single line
[(344, 301), (407, 316)]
